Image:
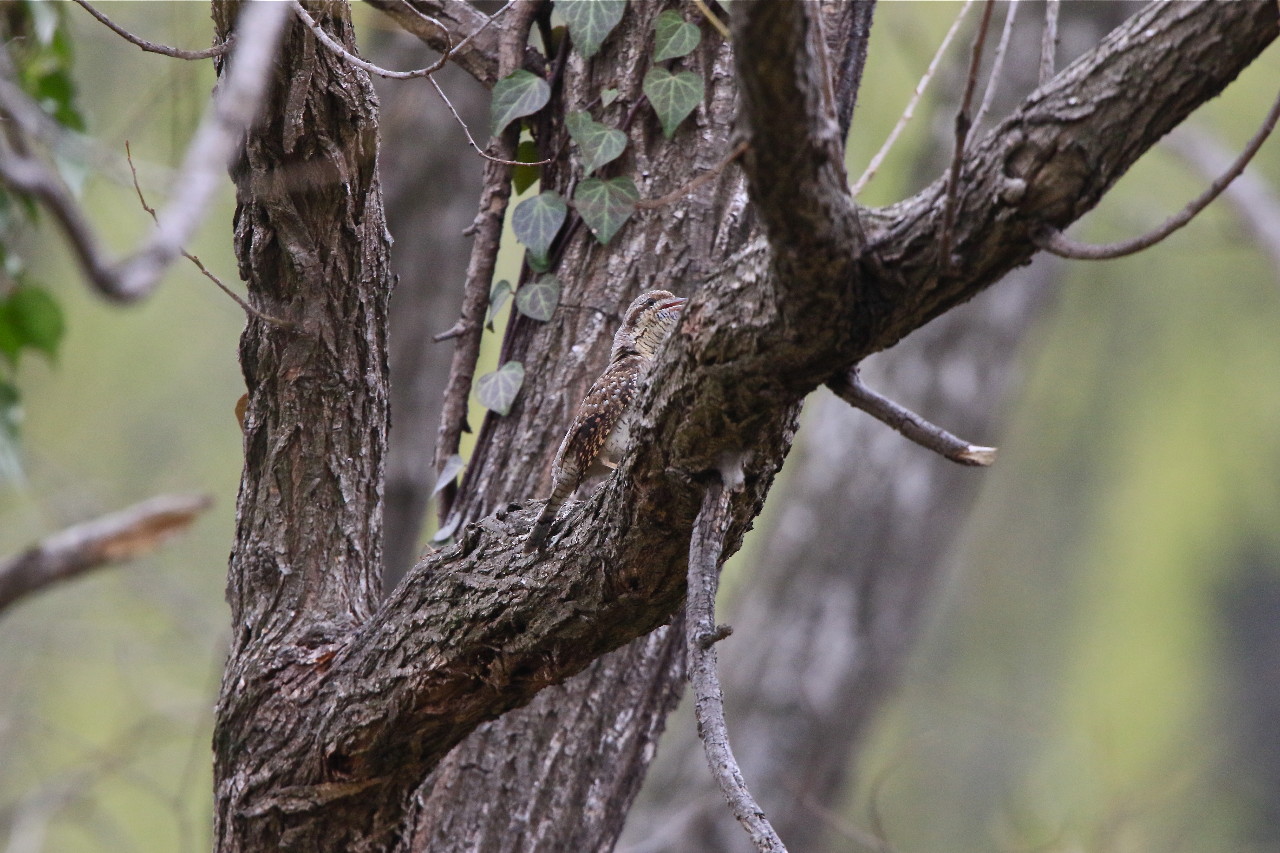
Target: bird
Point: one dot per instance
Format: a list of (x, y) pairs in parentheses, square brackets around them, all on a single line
[(601, 429)]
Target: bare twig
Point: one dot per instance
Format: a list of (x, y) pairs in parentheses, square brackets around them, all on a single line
[(235, 297), (152, 47), (1059, 244), (484, 256), (471, 139), (329, 42), (1049, 41), (962, 137), (713, 19), (706, 549), (230, 114), (997, 64), (909, 112), (912, 426), (114, 538), (676, 195), (1254, 200)]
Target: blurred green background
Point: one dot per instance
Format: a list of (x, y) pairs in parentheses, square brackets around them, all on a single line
[(1089, 681)]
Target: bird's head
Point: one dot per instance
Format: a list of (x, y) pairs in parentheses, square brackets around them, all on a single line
[(648, 321)]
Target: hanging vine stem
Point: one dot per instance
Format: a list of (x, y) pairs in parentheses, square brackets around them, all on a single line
[(1054, 241), (997, 64), (962, 138), (1049, 41)]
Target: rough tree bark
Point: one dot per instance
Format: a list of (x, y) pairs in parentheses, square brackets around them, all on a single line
[(832, 603), (334, 709)]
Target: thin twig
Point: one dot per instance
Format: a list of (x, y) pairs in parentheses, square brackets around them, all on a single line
[(152, 47), (329, 42), (1049, 41), (912, 426), (470, 139), (713, 19), (706, 550), (230, 113), (489, 20), (962, 138), (494, 197), (235, 297), (1254, 199), (114, 538), (997, 64), (909, 112), (676, 195), (1053, 240)]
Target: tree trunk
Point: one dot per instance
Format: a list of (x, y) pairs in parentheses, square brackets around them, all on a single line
[(334, 710)]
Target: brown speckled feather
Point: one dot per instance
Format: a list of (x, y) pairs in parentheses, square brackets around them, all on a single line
[(601, 429)]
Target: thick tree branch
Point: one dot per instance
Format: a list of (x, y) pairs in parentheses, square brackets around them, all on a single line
[(111, 539)]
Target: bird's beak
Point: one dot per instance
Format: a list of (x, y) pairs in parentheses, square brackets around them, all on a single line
[(674, 304)]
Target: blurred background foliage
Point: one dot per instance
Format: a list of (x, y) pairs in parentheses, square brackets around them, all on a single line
[(1103, 666)]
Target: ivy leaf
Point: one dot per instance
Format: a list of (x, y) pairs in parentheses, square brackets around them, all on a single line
[(673, 96), (520, 93), (497, 391), (538, 299), (599, 143), (606, 205), (674, 37), (497, 298), (591, 21), (537, 220), (452, 466), (10, 422), (608, 96), (524, 176), (30, 317)]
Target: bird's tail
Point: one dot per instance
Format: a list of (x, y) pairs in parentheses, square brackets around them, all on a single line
[(538, 535)]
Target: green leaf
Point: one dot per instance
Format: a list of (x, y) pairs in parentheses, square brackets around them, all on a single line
[(599, 143), (523, 177), (36, 317), (10, 336), (10, 424), (606, 205), (520, 93), (537, 220), (591, 21), (497, 298), (452, 466), (675, 37), (497, 391), (608, 96), (536, 262), (673, 96), (538, 299)]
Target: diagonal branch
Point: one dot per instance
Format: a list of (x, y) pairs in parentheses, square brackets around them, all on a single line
[(111, 539), (152, 47), (230, 114), (913, 427), (1056, 242)]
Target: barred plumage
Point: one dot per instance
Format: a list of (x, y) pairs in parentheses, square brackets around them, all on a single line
[(601, 429)]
